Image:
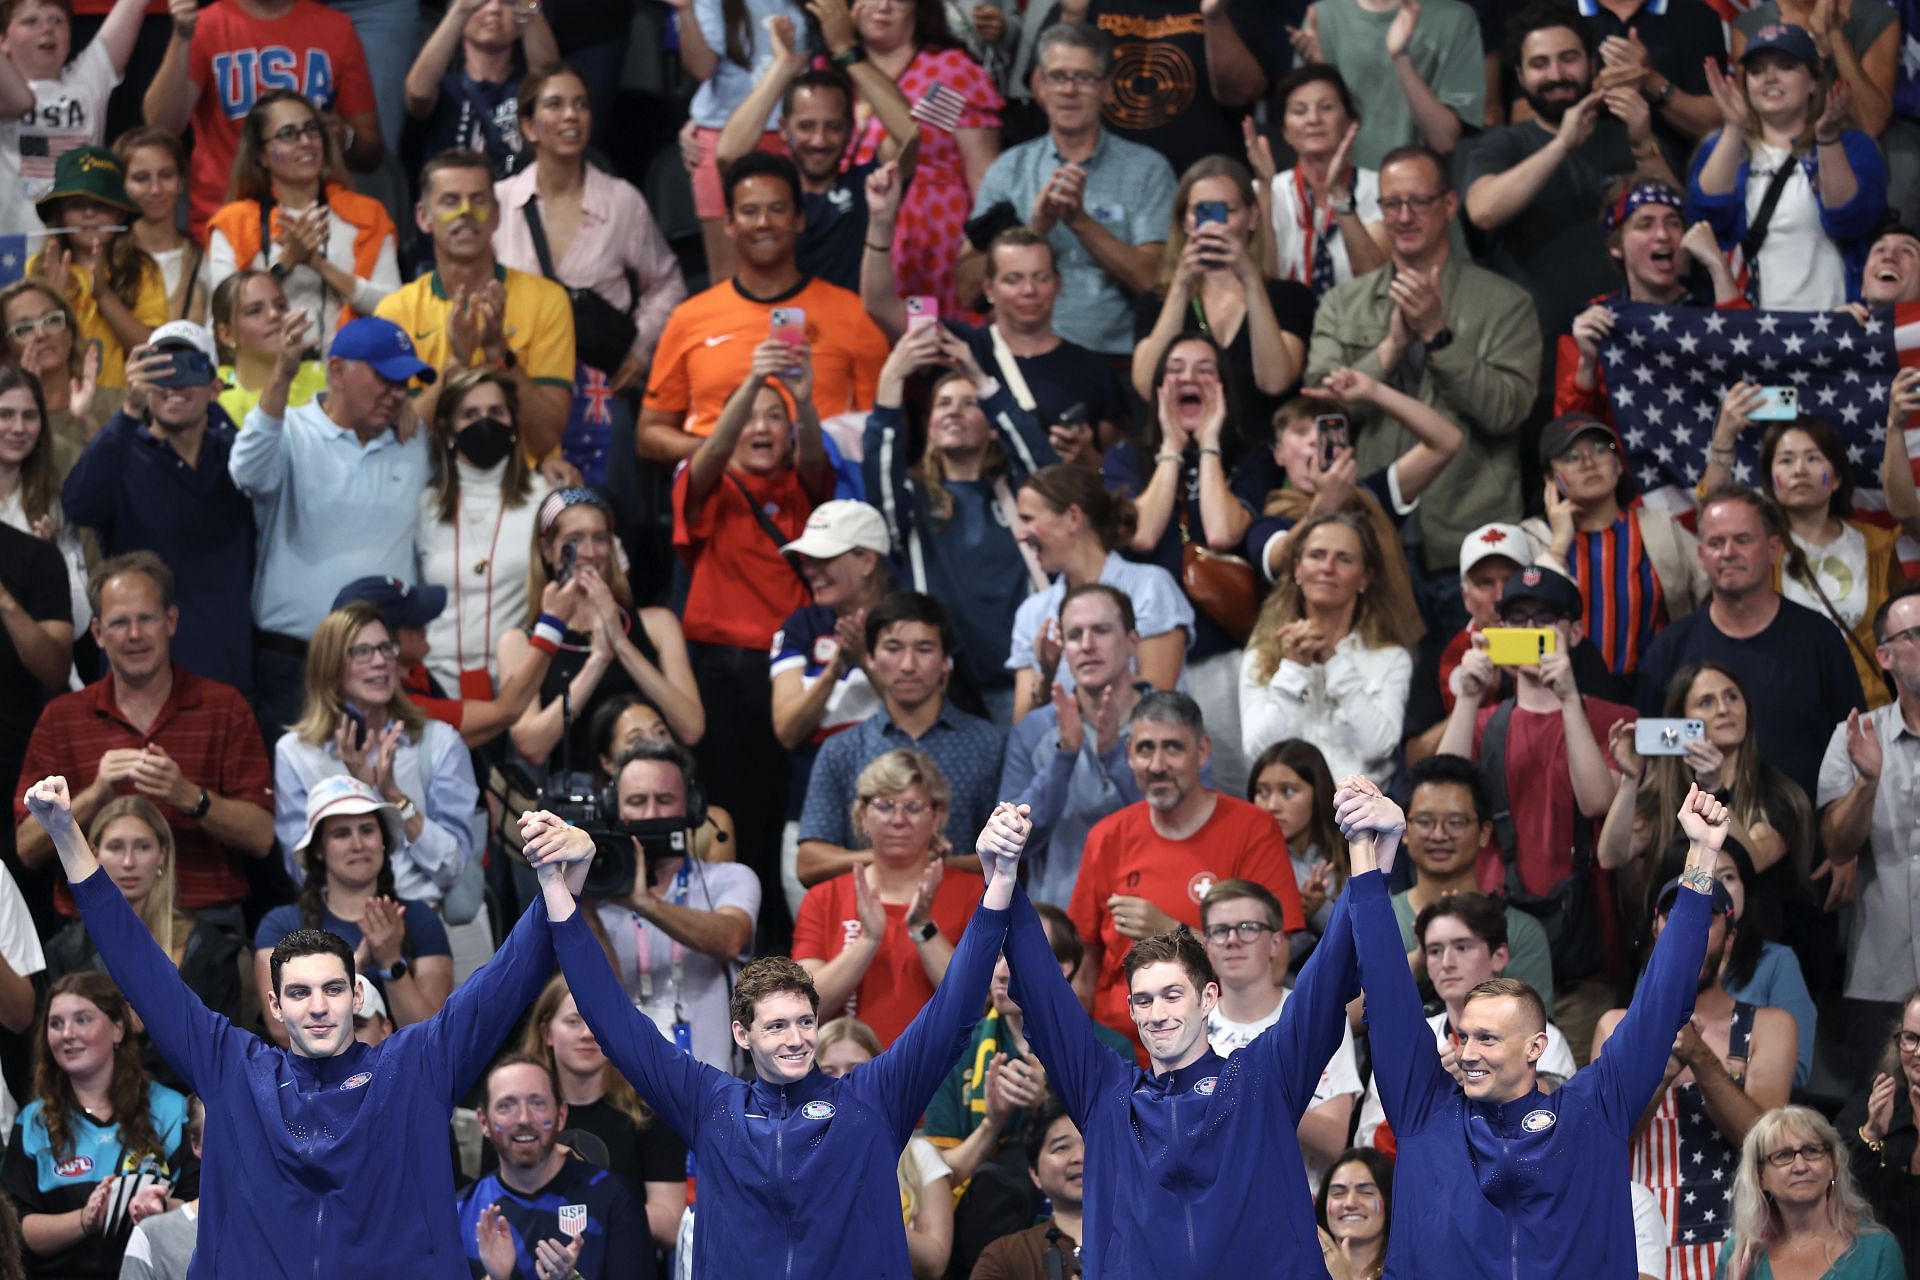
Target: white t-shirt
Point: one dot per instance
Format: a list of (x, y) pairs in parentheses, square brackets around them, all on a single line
[(1290, 227), (20, 947), (171, 263), (1841, 570), (927, 1164), (69, 112), (1556, 1061), (1800, 266), (1650, 1233), (1341, 1077)]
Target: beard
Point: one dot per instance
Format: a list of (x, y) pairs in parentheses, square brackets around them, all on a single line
[(1550, 110)]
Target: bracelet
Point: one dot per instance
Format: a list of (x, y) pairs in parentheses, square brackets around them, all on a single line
[(1209, 451), (547, 634), (1873, 1145), (1826, 142), (1665, 95), (878, 248), (1165, 455)]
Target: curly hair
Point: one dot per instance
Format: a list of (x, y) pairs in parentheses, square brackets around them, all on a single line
[(129, 1093), (770, 976)]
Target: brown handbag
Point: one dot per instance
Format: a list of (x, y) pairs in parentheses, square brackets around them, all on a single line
[(1224, 587)]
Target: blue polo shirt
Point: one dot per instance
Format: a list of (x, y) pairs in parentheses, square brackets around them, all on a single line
[(966, 748), (1129, 192), (137, 494)]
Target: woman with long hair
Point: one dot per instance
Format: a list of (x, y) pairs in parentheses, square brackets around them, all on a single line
[(96, 1118), (1878, 1129), (926, 1195), (1325, 211), (357, 720), (347, 888), (1782, 146), (1077, 530), (116, 291), (43, 337), (1291, 781), (948, 513), (625, 719), (247, 312), (599, 1100), (135, 846), (33, 463), (1769, 813), (605, 646), (1329, 660), (1757, 970), (475, 536), (289, 210), (1355, 1207), (156, 166), (1796, 1209)]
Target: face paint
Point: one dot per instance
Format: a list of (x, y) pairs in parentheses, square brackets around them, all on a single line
[(466, 210)]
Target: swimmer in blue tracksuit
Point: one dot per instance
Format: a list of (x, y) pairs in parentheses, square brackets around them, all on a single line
[(1494, 1176), (327, 1158), (1193, 1168), (797, 1169)]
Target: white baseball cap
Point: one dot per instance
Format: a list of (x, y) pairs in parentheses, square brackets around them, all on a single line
[(184, 333), (838, 527), (1496, 539)]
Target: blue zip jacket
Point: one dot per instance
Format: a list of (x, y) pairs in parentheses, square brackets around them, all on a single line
[(797, 1181), (1195, 1173), (1533, 1187), (322, 1167)]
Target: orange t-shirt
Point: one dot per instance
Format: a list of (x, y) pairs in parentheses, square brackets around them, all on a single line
[(706, 351), (1125, 855), (896, 984), (740, 589)]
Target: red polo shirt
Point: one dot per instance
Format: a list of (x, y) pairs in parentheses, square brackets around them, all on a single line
[(206, 726)]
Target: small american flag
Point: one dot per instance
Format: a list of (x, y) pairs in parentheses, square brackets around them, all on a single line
[(940, 107), (1667, 369)]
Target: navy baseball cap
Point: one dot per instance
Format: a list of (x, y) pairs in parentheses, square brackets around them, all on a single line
[(1784, 37), (1543, 586), (1722, 900), (401, 605), (382, 344)]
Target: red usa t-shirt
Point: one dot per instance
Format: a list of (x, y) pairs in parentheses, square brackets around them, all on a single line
[(1125, 855), (235, 58), (896, 985)]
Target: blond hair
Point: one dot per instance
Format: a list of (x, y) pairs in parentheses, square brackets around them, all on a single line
[(1756, 1222), (160, 911), (905, 1171), (327, 663), (893, 773)]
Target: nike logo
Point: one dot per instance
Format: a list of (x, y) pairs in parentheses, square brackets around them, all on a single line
[(424, 334), (718, 338)]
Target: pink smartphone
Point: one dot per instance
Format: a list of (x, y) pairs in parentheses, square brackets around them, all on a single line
[(922, 309), (790, 325)]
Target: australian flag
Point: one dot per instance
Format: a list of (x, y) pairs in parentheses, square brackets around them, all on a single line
[(1667, 368), (13, 258)]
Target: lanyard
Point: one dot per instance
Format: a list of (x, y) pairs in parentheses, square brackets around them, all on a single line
[(459, 577), (644, 957), (1314, 223)]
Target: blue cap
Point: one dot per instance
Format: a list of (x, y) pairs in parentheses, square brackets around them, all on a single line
[(383, 345), (1784, 37), (401, 605)]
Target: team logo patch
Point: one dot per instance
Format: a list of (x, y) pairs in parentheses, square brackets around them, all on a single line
[(1206, 1087), (817, 1111), (74, 1167), (573, 1219), (824, 649), (1530, 576), (355, 1082), (1535, 1121), (1200, 885)]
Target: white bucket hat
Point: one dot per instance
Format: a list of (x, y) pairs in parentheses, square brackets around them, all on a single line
[(343, 794)]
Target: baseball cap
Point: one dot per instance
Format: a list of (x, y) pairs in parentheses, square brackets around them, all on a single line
[(838, 527), (1722, 900), (371, 1005), (1496, 539), (1543, 586), (401, 605), (1786, 38), (340, 795), (382, 344), (194, 357), (1558, 436)]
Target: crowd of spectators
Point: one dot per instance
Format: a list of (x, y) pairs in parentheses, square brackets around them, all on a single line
[(772, 434)]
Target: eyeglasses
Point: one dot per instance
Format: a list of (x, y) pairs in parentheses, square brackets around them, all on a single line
[(1454, 824), (1531, 619), (1394, 206), (1911, 633), (1248, 931), (1909, 1041), (1812, 1153), (295, 132), (887, 808), (1078, 79), (52, 322), (1579, 457), (365, 653)]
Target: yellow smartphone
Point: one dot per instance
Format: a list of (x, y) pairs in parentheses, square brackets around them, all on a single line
[(1520, 646)]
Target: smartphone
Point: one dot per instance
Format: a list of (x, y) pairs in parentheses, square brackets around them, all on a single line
[(568, 554), (359, 723), (1520, 646), (922, 309), (1657, 737), (1781, 404), (1074, 415), (1205, 211), (1332, 430), (790, 325)]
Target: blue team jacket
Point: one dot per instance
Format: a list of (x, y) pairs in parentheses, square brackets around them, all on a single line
[(1196, 1173), (322, 1167), (1533, 1187), (797, 1181)]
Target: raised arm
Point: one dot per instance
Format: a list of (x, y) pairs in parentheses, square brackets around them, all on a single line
[(435, 56), (748, 122), (259, 459), (169, 100), (455, 1044)]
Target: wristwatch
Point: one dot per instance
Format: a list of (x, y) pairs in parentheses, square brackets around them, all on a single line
[(1440, 341), (926, 932), (1343, 208), (399, 970), (1665, 95), (201, 806), (848, 56)]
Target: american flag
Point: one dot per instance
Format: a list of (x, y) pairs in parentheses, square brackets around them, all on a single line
[(1668, 367), (940, 107), (1689, 1167)]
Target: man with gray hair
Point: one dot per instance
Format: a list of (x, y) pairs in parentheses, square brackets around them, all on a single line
[(1102, 202), (1145, 869)]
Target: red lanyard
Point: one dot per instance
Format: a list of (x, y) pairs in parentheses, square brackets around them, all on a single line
[(459, 577)]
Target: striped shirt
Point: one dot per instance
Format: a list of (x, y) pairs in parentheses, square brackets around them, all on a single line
[(1623, 605)]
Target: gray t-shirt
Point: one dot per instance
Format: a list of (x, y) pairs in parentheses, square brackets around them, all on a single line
[(1445, 50), (1868, 19), (162, 1246)]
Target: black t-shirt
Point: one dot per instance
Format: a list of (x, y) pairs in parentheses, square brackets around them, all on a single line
[(1064, 377), (34, 574), (477, 115), (1249, 410), (835, 236), (1680, 37), (1160, 95)]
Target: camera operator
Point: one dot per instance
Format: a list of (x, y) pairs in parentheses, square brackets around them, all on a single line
[(680, 926)]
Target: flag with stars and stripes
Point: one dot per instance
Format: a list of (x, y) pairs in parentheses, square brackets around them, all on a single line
[(940, 107), (1689, 1167), (1667, 369)]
